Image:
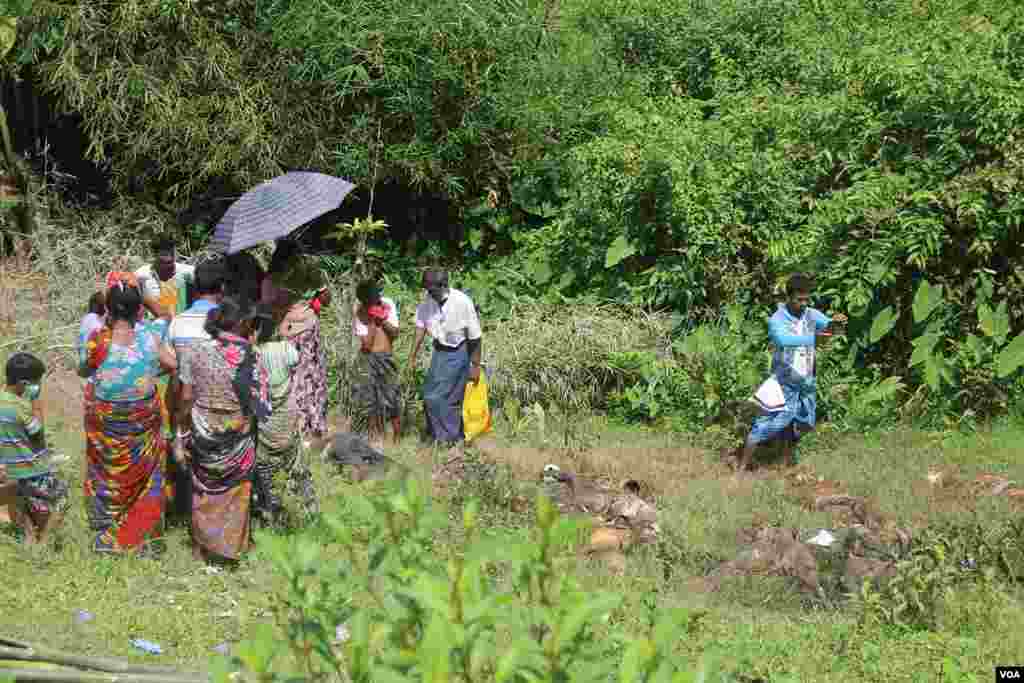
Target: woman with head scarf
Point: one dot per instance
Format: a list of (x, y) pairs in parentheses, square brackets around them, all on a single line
[(226, 388), (126, 449), (288, 290), (279, 447)]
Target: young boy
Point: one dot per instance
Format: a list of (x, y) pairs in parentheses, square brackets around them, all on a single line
[(377, 390), (42, 498)]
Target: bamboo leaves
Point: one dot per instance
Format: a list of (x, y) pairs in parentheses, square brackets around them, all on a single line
[(8, 34)]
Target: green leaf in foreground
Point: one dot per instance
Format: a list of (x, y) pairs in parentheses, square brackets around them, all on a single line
[(926, 300), (883, 324), (1011, 358), (994, 323), (620, 250)]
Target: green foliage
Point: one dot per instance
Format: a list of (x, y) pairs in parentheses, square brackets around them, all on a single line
[(883, 324), (176, 93), (674, 156), (413, 611), (948, 559), (460, 95), (714, 367)]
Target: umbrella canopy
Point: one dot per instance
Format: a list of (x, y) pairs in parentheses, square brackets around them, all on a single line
[(274, 209)]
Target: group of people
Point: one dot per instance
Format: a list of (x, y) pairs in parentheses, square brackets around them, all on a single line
[(203, 408), (204, 386)]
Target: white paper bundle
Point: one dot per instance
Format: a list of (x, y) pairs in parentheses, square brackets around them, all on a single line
[(769, 396)]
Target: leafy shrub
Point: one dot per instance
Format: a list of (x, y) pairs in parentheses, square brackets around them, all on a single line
[(508, 608), (963, 357), (714, 366), (947, 558)]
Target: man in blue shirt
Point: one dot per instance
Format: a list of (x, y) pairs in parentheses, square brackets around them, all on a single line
[(187, 329), (792, 330)]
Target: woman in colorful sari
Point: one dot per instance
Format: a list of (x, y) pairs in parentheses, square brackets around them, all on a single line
[(286, 289), (226, 389), (279, 443), (126, 449)]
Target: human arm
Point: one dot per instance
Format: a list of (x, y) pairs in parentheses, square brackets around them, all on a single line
[(820, 320), (150, 290), (32, 420), (168, 358), (154, 307), (366, 340), (389, 329), (421, 333), (163, 336), (474, 346), (390, 324), (184, 417), (474, 341)]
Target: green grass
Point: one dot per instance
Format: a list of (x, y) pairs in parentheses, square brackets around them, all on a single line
[(766, 627)]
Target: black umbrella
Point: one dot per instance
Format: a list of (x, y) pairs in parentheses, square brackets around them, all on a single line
[(277, 207)]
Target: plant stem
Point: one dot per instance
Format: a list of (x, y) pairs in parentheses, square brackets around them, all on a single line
[(12, 649), (72, 676), (26, 212)]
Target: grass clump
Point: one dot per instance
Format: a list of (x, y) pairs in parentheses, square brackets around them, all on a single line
[(564, 355)]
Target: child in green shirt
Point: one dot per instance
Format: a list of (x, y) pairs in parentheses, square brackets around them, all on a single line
[(42, 498)]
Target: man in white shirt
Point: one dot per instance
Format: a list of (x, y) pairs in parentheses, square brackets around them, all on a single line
[(165, 282), (450, 318)]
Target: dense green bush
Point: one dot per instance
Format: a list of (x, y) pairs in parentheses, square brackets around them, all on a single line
[(948, 561), (678, 157), (506, 607)]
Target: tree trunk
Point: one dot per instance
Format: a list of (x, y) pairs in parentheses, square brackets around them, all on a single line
[(24, 210)]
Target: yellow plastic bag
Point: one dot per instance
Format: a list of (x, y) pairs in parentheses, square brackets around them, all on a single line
[(476, 412)]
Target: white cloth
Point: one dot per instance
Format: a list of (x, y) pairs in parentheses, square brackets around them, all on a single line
[(150, 283), (803, 356), (190, 327), (90, 323), (361, 330), (769, 396), (451, 324)]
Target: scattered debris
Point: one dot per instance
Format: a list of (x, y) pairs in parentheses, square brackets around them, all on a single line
[(823, 539), (75, 667), (82, 616), (147, 646), (222, 649), (341, 634), (355, 455), (774, 552)]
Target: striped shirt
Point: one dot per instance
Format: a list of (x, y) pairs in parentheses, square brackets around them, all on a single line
[(280, 359), (22, 453)]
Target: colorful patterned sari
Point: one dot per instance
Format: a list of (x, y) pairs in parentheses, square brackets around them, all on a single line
[(126, 450), (230, 389), (126, 454), (310, 380)]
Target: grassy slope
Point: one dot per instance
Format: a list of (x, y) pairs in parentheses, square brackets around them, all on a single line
[(763, 624)]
